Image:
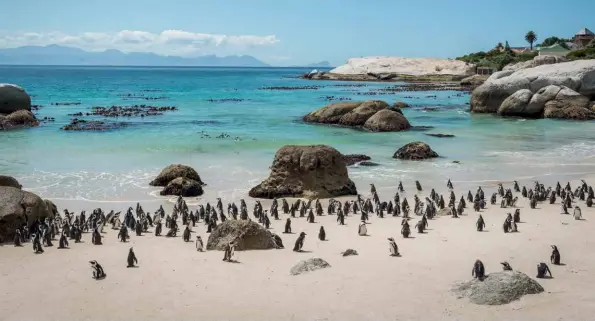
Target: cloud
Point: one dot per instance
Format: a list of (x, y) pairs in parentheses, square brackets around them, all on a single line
[(167, 42)]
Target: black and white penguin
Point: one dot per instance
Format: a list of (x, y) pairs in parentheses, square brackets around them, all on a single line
[(577, 213), (555, 257), (229, 251), (63, 243), (543, 270), (506, 266), (287, 226), (299, 243), (394, 249), (418, 186), (186, 234), (480, 224), (362, 229), (131, 259), (322, 234), (98, 272), (199, 244), (478, 271)]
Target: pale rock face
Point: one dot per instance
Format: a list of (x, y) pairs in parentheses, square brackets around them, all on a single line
[(516, 104), (405, 66)]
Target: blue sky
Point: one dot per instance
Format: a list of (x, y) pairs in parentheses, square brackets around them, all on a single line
[(290, 32)]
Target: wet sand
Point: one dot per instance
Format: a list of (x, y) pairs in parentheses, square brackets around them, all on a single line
[(174, 281)]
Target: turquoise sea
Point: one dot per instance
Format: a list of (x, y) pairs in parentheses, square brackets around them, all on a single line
[(117, 165)]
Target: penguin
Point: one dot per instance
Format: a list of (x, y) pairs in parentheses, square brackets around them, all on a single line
[(517, 216), (418, 186), (372, 189), (287, 226), (299, 243), (449, 184), (516, 187), (480, 224), (199, 244), (394, 249), (63, 243), (98, 272), (96, 237), (555, 257), (322, 234), (401, 189), (589, 201), (123, 234), (506, 266), (362, 229), (131, 260), (543, 270), (37, 249), (577, 213), (17, 238), (158, 228), (564, 208), (405, 230), (229, 251), (478, 271), (186, 234)]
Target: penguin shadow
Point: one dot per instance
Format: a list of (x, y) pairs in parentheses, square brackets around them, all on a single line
[(288, 233), (234, 261), (561, 264), (546, 277), (133, 267), (100, 278), (366, 235), (398, 255), (410, 237), (304, 251)]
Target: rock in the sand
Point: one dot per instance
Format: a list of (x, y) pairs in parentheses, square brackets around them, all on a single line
[(317, 171), (18, 207), (308, 265), (13, 98), (247, 235), (352, 159), (387, 120), (415, 151), (182, 186), (373, 115), (174, 171), (498, 288), (18, 119), (9, 181), (349, 252), (561, 90), (445, 211)]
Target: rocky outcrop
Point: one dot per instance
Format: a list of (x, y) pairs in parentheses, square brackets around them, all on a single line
[(13, 98), (473, 81), (174, 171), (353, 159), (400, 105), (317, 171), (498, 288), (18, 119), (18, 207), (9, 181), (349, 252), (92, 125), (373, 115), (182, 186), (536, 61), (560, 90), (309, 265), (246, 234), (415, 151), (406, 66)]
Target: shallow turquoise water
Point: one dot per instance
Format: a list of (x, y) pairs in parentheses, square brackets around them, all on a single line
[(117, 165)]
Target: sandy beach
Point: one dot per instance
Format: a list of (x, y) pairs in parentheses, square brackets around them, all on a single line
[(174, 281)]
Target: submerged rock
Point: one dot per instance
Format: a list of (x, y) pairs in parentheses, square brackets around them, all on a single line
[(182, 186), (308, 265), (13, 98), (18, 119), (373, 115), (174, 171), (400, 105), (18, 207), (9, 181), (317, 171), (247, 235), (415, 151), (92, 125), (498, 288), (440, 135), (352, 159)]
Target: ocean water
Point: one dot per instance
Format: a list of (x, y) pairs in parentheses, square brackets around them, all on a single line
[(117, 165)]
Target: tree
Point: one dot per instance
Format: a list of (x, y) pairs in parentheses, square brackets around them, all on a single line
[(531, 37), (507, 47), (550, 41)]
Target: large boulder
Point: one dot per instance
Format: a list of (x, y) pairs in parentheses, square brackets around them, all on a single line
[(568, 104), (182, 186), (174, 171), (415, 151), (578, 76), (517, 104), (473, 81), (308, 265), (536, 61), (387, 120), (13, 98), (317, 171), (18, 119), (498, 288), (373, 115), (9, 181), (18, 207), (246, 234)]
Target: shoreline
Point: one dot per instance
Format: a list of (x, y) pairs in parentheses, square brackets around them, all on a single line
[(384, 77)]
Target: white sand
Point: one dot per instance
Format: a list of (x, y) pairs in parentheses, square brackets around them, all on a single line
[(405, 66), (175, 282)]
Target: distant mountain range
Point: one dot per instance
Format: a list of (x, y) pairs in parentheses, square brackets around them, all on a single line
[(322, 64), (61, 55)]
